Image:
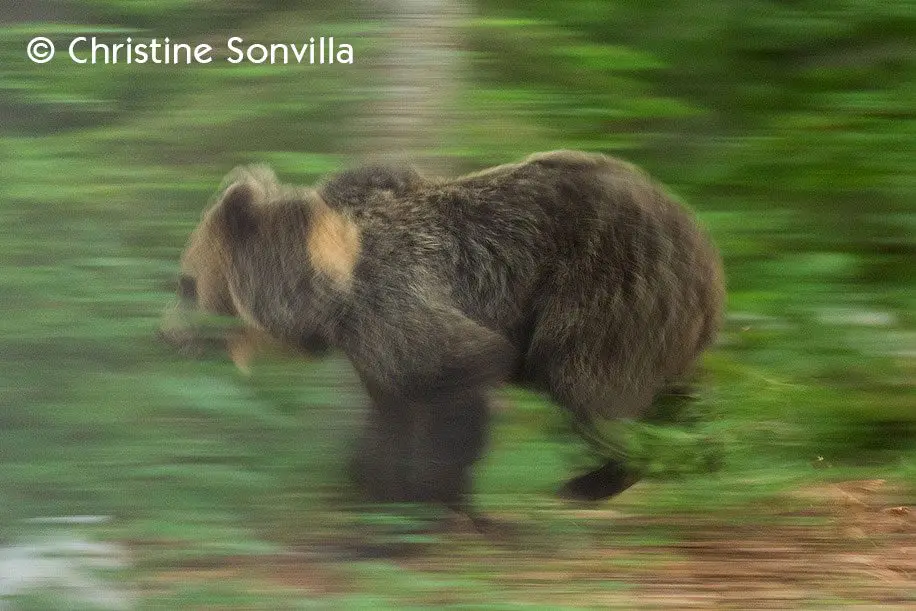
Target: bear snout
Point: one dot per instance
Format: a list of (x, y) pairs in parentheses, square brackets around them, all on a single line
[(188, 343)]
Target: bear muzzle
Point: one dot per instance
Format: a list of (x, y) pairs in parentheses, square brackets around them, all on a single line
[(184, 330)]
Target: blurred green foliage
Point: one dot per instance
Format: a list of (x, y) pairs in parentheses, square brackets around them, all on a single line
[(788, 126)]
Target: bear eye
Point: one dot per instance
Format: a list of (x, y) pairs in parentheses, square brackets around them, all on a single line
[(187, 288)]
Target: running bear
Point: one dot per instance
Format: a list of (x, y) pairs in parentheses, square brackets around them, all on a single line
[(568, 272)]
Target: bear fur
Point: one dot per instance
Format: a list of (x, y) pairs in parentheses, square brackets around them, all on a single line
[(568, 272)]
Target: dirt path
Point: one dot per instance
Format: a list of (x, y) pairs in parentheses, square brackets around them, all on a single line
[(862, 553), (844, 545)]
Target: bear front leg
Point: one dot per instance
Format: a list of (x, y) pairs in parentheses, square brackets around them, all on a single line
[(422, 449), (427, 368), (452, 435), (382, 459)]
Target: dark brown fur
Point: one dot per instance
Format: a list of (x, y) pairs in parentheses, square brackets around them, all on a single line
[(570, 272)]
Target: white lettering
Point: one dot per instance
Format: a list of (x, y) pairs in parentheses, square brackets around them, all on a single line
[(72, 50), (345, 54), (260, 49), (239, 55)]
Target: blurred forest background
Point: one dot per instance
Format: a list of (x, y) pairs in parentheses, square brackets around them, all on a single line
[(788, 126)]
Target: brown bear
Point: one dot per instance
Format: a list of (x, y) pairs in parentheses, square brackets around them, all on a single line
[(569, 272)]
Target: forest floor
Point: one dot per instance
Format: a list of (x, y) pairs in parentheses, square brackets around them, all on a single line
[(847, 544)]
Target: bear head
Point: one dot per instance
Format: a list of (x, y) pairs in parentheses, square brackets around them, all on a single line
[(267, 264)]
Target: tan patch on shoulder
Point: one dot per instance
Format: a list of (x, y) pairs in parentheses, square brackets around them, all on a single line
[(333, 244)]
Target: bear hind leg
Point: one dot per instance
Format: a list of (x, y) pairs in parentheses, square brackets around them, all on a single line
[(584, 400), (610, 479)]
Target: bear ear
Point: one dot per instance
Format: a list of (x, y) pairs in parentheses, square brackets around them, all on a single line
[(237, 211)]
